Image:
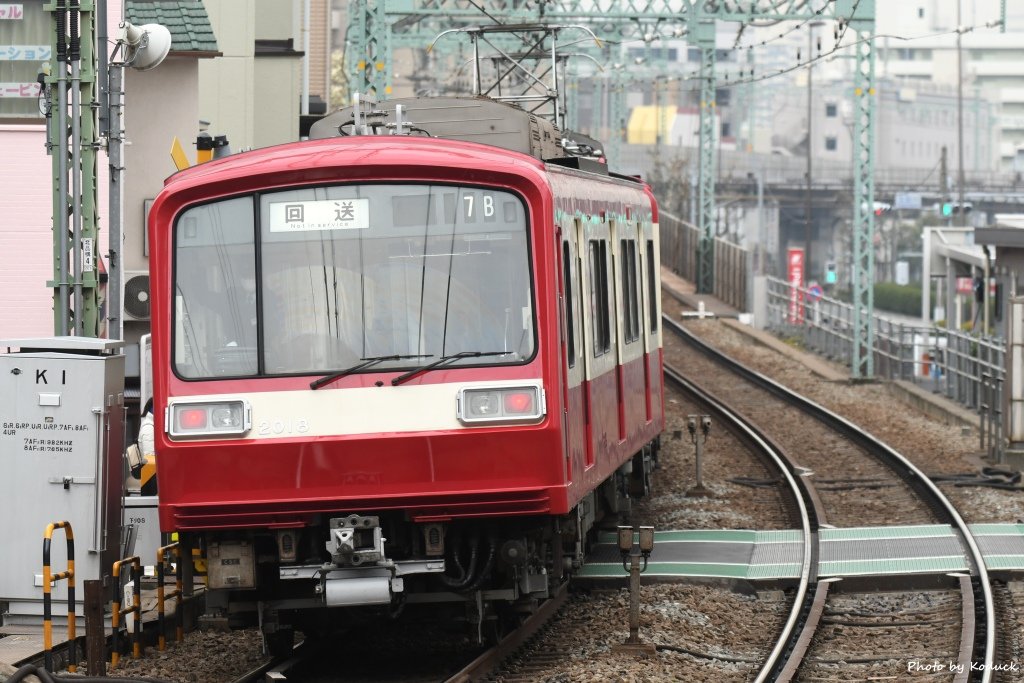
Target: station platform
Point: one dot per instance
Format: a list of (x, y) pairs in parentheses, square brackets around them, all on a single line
[(775, 556)]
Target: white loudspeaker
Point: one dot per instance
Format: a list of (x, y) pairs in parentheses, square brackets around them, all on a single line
[(146, 45)]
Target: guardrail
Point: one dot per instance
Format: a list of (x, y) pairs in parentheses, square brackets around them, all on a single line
[(135, 574), (966, 369), (48, 580)]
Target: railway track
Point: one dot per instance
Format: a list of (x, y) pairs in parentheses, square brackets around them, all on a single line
[(854, 475), (319, 661)]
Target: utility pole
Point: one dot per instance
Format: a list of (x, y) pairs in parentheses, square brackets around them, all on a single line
[(810, 148), (960, 114), (944, 179)]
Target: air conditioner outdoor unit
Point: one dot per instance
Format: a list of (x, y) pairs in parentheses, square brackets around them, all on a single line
[(136, 295)]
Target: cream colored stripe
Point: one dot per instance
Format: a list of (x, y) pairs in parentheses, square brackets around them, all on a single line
[(362, 410)]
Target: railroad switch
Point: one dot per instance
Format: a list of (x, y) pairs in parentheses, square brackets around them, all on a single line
[(632, 553)]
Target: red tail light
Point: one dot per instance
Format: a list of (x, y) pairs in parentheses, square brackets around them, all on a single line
[(501, 405), (193, 418), (519, 402)]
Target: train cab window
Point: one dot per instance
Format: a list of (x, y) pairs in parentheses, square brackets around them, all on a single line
[(597, 262), (630, 291), (215, 330), (570, 325), (652, 284), (353, 272)]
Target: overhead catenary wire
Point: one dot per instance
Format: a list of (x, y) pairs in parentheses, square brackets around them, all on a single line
[(834, 53)]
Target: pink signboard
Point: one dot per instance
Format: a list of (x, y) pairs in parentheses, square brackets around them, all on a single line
[(795, 276), (11, 12)]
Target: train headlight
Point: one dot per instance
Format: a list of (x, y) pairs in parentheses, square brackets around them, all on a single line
[(501, 405), (209, 418)]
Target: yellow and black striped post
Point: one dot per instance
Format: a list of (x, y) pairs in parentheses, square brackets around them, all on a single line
[(179, 630), (49, 578), (147, 477), (135, 573)]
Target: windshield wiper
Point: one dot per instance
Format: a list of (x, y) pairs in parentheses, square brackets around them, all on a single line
[(444, 360), (366, 362)]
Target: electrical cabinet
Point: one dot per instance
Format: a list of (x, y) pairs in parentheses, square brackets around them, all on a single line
[(61, 458)]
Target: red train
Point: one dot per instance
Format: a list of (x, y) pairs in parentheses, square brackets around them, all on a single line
[(397, 369)]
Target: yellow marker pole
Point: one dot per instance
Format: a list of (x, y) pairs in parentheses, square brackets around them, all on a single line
[(178, 155), (49, 578)]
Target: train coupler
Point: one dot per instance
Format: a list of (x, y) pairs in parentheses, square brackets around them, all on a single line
[(355, 540)]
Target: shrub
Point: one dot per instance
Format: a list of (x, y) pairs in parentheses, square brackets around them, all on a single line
[(903, 299)]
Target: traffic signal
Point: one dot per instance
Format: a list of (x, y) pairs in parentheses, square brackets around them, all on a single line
[(881, 207), (831, 277), (953, 208)]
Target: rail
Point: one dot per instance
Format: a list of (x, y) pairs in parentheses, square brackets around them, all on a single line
[(808, 604), (48, 580), (135, 574), (492, 657), (979, 610)]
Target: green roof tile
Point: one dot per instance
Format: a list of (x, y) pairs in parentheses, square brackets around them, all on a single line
[(185, 19)]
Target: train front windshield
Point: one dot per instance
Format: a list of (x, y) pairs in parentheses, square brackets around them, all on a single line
[(315, 280)]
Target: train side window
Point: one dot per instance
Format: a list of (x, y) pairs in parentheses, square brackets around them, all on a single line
[(652, 283), (570, 327), (598, 266), (630, 306)]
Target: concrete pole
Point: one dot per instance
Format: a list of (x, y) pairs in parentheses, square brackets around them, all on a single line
[(75, 56), (810, 149), (115, 136), (60, 306), (305, 57), (960, 114)]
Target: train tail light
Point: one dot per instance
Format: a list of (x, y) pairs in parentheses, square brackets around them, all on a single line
[(501, 405), (209, 418), (192, 418), (519, 402)]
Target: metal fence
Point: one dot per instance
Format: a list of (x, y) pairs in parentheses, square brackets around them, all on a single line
[(732, 265), (964, 368)]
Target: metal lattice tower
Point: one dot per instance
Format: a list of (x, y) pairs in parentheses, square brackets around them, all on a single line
[(704, 33), (616, 117), (72, 143), (370, 55), (862, 363)]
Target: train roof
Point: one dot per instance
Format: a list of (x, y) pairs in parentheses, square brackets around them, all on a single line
[(302, 158), (470, 119), (459, 132)]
